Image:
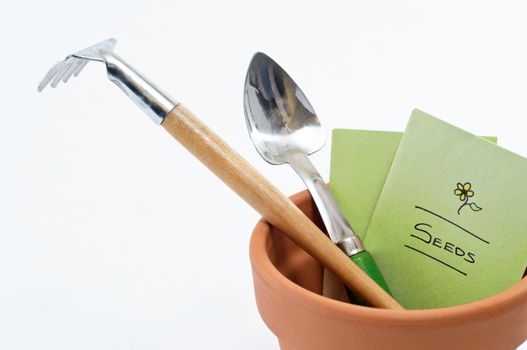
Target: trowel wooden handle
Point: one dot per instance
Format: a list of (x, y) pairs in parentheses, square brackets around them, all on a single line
[(265, 198)]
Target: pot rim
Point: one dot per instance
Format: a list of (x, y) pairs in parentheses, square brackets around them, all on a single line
[(265, 270)]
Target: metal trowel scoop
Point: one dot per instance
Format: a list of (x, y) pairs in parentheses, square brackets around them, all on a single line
[(285, 129)]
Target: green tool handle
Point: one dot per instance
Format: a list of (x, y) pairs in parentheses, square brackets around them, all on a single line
[(365, 261)]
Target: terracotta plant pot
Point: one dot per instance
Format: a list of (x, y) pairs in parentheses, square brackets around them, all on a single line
[(288, 283)]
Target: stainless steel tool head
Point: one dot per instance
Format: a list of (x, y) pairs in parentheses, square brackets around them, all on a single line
[(285, 129), (73, 64), (279, 117), (152, 100)]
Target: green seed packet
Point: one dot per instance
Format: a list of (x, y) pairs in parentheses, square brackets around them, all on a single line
[(449, 226), (360, 162)]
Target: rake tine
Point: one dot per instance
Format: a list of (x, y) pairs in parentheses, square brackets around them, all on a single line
[(72, 68), (80, 67), (49, 76), (62, 71)]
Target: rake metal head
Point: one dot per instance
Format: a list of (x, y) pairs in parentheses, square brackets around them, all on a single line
[(73, 64), (145, 94)]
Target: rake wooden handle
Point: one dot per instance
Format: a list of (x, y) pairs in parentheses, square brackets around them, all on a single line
[(267, 200)]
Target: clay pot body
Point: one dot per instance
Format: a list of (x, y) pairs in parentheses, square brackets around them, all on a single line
[(288, 284)]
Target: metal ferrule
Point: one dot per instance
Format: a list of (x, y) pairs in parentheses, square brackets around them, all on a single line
[(351, 245), (152, 100)]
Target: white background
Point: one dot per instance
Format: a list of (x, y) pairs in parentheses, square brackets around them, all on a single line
[(113, 237)]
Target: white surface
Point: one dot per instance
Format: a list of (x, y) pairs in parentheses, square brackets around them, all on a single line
[(103, 216)]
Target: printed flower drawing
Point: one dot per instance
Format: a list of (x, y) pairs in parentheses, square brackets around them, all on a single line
[(465, 192)]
